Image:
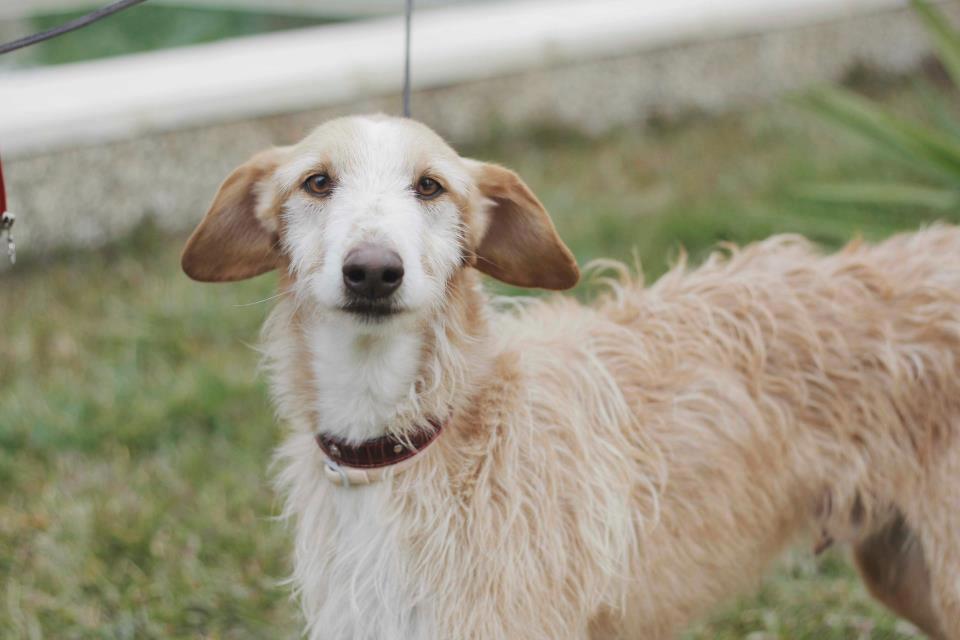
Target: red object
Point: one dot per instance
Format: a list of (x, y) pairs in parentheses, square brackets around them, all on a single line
[(3, 191)]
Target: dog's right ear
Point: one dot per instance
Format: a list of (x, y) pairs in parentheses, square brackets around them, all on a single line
[(237, 239)]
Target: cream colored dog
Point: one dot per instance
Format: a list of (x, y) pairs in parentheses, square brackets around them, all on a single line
[(567, 471)]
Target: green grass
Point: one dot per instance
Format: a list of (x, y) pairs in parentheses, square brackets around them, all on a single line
[(148, 27), (135, 436)]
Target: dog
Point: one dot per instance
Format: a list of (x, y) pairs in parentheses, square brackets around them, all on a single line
[(564, 470)]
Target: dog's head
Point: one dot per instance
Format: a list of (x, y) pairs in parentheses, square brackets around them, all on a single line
[(372, 217)]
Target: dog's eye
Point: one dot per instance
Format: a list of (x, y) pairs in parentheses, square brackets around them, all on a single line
[(318, 184), (427, 188)]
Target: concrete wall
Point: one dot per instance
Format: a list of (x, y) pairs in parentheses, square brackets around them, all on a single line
[(92, 193)]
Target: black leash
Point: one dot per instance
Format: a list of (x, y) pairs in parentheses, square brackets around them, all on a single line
[(73, 25), (406, 59)]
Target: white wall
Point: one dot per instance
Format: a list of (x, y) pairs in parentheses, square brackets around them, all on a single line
[(49, 108), (150, 137)]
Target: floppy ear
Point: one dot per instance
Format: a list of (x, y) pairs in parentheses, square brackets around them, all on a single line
[(237, 238), (519, 244)]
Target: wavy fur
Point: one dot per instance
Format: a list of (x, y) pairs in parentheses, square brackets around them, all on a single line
[(617, 470)]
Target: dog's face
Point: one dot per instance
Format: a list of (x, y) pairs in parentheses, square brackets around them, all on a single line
[(371, 217)]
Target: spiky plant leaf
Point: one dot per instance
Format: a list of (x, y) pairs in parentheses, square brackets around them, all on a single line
[(933, 151), (882, 194), (945, 37)]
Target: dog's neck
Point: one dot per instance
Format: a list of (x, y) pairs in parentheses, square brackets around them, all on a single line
[(361, 381), (362, 375)]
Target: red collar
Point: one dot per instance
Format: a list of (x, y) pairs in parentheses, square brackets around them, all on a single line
[(381, 452)]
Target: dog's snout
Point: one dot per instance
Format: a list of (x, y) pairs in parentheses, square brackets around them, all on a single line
[(372, 271)]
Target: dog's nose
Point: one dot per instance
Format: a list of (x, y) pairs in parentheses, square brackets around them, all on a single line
[(372, 271)]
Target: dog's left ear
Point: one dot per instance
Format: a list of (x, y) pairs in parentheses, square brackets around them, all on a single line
[(518, 243), (237, 239)]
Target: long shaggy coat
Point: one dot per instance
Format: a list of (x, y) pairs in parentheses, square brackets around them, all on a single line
[(617, 470), (612, 470)]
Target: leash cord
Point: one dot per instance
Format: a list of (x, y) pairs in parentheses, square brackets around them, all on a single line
[(67, 27), (406, 59)]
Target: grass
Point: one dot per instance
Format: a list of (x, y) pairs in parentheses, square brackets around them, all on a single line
[(150, 27), (135, 436)]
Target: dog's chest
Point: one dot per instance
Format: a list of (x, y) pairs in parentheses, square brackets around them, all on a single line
[(364, 582)]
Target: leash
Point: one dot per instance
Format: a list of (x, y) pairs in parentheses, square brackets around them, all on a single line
[(67, 27), (408, 16)]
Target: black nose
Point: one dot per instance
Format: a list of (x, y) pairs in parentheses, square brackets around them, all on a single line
[(371, 271)]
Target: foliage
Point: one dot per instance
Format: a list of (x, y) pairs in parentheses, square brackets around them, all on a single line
[(931, 151), (149, 27)]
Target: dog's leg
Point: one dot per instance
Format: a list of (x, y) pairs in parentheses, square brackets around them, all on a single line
[(892, 565), (933, 513)]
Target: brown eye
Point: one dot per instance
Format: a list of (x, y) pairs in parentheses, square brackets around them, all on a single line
[(427, 188), (318, 184)]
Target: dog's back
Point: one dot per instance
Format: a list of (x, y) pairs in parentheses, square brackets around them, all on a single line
[(643, 458), (785, 391)]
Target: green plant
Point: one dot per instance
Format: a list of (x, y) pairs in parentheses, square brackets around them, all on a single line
[(151, 27), (931, 150)]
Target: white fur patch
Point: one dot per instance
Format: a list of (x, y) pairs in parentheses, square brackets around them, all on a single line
[(349, 566), (374, 165), (361, 376), (352, 577)]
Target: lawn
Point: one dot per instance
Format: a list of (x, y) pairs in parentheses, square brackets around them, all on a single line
[(136, 436), (149, 27)]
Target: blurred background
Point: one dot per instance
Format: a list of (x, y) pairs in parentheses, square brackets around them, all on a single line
[(135, 434)]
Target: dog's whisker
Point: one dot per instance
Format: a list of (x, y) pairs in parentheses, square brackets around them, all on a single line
[(267, 299)]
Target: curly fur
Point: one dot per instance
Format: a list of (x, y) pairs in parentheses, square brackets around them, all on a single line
[(616, 470)]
